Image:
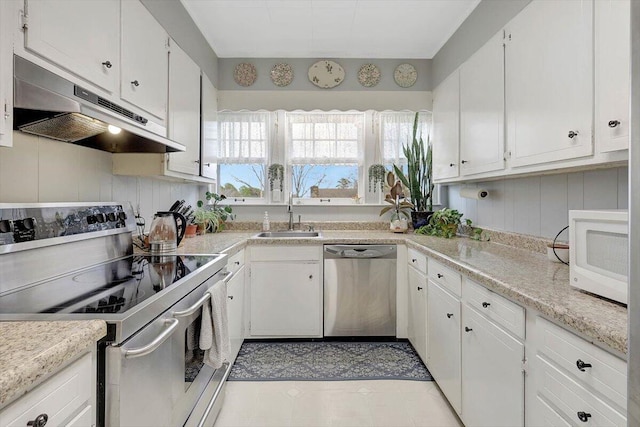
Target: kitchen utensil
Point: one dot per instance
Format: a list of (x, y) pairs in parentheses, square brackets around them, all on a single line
[(166, 232)]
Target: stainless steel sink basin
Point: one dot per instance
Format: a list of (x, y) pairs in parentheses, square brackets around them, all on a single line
[(285, 234)]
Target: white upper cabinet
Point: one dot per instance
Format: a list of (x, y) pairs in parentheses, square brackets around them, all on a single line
[(145, 60), (446, 127), (612, 49), (549, 82), (482, 109), (184, 111), (209, 128), (80, 36), (6, 76)]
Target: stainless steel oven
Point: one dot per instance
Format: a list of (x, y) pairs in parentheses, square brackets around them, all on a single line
[(75, 262)]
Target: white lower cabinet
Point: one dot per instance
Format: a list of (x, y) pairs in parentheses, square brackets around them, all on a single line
[(65, 399), (417, 329), (286, 291), (443, 322), (492, 373), (235, 310)]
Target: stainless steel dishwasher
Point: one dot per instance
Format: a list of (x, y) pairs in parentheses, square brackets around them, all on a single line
[(359, 290)]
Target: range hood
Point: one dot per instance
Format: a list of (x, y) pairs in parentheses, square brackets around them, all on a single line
[(47, 105)]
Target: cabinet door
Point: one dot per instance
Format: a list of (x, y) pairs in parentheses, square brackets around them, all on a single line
[(612, 74), (184, 111), (78, 35), (145, 60), (235, 312), (492, 377), (446, 127), (417, 312), (286, 299), (6, 75), (549, 82), (443, 326), (209, 128), (482, 109)]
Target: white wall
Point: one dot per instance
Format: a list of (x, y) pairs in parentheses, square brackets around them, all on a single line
[(540, 205), (42, 170)]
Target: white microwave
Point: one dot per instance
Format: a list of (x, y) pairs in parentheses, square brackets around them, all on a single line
[(599, 252)]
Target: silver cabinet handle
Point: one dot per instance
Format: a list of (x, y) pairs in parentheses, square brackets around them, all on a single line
[(149, 348)]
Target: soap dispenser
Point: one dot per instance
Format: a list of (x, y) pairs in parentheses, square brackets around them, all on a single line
[(265, 222)]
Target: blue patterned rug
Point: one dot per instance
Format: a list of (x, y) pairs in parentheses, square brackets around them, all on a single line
[(328, 361)]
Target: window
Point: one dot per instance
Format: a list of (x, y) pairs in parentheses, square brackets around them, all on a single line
[(242, 154), (325, 155)]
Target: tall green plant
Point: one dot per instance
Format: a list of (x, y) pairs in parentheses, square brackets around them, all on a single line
[(419, 177)]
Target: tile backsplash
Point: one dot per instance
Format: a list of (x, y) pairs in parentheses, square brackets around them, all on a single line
[(42, 170)]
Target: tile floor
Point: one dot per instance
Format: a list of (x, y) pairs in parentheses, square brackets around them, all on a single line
[(386, 403)]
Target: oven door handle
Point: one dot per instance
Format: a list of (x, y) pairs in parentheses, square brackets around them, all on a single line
[(206, 297), (149, 348)]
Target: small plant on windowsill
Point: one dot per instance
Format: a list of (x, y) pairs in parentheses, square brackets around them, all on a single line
[(212, 218), (275, 173)]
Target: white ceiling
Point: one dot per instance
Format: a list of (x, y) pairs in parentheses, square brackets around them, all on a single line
[(328, 28)]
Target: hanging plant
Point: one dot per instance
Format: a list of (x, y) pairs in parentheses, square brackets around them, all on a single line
[(275, 172), (377, 174)]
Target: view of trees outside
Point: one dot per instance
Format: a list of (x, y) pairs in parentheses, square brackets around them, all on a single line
[(303, 177), (242, 180)]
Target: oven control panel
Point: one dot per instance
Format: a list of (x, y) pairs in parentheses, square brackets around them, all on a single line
[(26, 224)]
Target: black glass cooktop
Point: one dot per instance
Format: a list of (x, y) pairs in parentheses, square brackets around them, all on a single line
[(109, 288)]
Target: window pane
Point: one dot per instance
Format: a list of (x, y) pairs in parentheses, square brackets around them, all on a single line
[(325, 181), (241, 180)]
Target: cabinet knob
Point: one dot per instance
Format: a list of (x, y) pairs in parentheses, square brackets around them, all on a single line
[(440, 276), (584, 416), (237, 263), (581, 365), (419, 288), (135, 83), (572, 134), (107, 64), (451, 165), (40, 421), (207, 164), (230, 297), (464, 161), (414, 260), (311, 276), (449, 315), (485, 304), (467, 329), (614, 123)]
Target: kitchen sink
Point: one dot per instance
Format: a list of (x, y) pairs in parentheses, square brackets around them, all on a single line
[(285, 234)]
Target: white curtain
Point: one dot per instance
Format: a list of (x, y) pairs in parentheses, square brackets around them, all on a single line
[(325, 138), (396, 130), (243, 137)]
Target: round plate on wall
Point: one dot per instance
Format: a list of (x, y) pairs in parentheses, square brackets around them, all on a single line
[(326, 74), (369, 75), (245, 74), (405, 75), (282, 74)]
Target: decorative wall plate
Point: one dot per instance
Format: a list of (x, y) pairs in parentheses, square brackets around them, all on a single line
[(282, 74), (405, 75), (369, 75), (245, 74), (326, 74)]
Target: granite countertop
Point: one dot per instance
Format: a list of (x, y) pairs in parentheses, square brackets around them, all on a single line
[(32, 351), (523, 276)]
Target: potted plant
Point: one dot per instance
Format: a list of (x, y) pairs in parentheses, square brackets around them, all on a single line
[(419, 177), (275, 173), (377, 175), (399, 205), (212, 217), (443, 223)]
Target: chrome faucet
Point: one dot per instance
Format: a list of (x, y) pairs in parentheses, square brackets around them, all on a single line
[(290, 211)]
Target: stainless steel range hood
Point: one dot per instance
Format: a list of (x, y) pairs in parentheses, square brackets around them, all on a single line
[(47, 105)]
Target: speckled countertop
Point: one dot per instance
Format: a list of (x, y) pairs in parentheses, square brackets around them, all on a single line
[(523, 276), (32, 351)]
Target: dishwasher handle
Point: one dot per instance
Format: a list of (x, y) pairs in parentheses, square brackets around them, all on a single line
[(360, 251)]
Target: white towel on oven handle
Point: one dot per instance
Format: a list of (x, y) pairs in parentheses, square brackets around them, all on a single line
[(214, 333)]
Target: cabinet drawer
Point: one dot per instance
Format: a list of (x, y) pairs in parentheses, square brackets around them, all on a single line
[(607, 374), (236, 261), (288, 253), (60, 397), (547, 416), (446, 277), (574, 400), (417, 260), (497, 308)]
